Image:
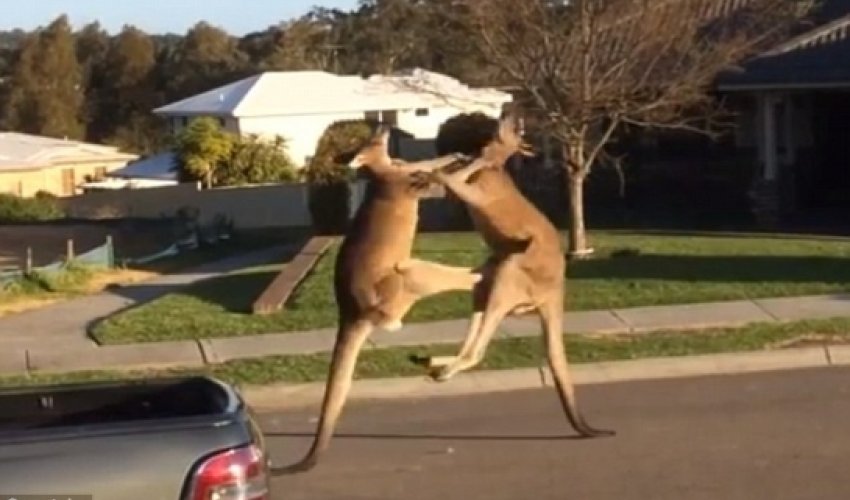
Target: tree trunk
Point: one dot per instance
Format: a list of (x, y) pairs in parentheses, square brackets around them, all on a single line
[(577, 235)]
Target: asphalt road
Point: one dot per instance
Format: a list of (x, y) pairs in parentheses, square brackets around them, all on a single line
[(773, 436)]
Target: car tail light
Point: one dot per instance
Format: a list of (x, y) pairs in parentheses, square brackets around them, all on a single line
[(239, 474)]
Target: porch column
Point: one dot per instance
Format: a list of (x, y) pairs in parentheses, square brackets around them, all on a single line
[(767, 107), (547, 151), (788, 138)]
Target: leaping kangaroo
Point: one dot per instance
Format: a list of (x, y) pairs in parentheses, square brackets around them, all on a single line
[(526, 269), (376, 281)]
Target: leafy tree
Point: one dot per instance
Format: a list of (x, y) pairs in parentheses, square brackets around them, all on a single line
[(39, 100), (256, 161), (92, 44), (302, 44), (383, 36), (131, 94), (201, 148), (203, 59)]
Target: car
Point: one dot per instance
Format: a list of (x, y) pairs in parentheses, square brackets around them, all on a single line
[(170, 438)]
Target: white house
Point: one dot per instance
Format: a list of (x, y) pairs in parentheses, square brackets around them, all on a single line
[(300, 105)]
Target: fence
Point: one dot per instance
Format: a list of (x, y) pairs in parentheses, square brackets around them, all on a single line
[(100, 257), (249, 207)]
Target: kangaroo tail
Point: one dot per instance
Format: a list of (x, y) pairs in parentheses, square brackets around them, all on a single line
[(350, 339)]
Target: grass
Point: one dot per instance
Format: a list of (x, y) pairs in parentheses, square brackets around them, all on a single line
[(630, 269), (503, 354), (40, 289), (243, 241)]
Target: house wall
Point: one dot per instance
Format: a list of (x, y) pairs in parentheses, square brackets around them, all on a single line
[(52, 179), (302, 132)]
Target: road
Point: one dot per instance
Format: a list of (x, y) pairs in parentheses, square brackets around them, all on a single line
[(772, 436)]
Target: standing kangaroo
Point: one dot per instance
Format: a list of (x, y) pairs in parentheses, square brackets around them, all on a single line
[(526, 269), (376, 281)]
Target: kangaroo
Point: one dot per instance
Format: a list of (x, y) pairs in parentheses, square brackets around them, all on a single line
[(525, 271), (376, 281)]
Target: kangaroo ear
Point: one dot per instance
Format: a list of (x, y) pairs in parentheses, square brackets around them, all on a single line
[(382, 133), (508, 127)]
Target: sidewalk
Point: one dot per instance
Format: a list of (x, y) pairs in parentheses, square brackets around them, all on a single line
[(63, 326), (64, 358)]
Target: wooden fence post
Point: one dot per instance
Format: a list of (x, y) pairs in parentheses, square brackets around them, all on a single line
[(110, 249), (28, 262), (69, 250)]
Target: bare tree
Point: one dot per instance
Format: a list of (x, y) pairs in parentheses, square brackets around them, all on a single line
[(588, 67)]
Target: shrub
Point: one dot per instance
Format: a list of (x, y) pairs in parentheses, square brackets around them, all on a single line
[(201, 148), (254, 160), (71, 277), (16, 209), (329, 178), (466, 133)]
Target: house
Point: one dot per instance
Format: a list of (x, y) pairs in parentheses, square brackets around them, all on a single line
[(300, 105), (31, 163), (154, 171), (794, 104), (787, 160)]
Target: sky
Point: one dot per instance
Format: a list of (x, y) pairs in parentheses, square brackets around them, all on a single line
[(160, 16)]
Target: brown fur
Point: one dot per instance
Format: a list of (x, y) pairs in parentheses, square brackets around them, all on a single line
[(376, 281), (526, 269)]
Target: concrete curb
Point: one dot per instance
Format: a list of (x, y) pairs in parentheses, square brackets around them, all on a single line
[(288, 396), (18, 358)]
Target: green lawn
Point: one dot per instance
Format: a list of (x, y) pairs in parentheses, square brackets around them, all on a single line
[(502, 354), (629, 269)]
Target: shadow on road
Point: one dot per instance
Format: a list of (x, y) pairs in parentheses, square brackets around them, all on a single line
[(430, 437)]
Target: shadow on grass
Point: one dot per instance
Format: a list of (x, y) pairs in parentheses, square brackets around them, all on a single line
[(708, 268), (751, 233), (234, 292)]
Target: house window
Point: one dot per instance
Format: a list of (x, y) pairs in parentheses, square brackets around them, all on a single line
[(184, 121), (422, 112), (389, 117), (68, 181), (372, 116)]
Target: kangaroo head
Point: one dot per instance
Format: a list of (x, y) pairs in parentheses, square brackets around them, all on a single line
[(375, 154), (507, 142)]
